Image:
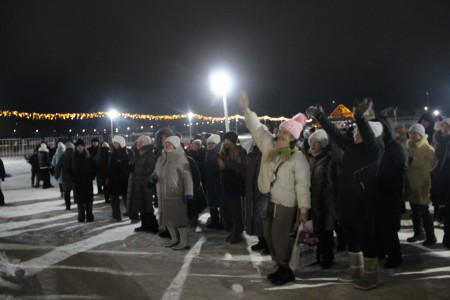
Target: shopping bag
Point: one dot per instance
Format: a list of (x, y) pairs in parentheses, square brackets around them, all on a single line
[(305, 247)]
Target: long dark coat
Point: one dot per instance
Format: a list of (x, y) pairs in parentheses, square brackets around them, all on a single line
[(140, 197), (232, 177), (102, 161), (83, 173), (212, 177), (63, 169), (440, 188), (253, 222), (356, 200), (119, 169), (391, 176), (324, 177)]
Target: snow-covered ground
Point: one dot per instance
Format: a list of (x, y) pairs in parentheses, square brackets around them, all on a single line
[(46, 254)]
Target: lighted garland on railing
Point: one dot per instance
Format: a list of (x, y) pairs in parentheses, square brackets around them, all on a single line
[(81, 116)]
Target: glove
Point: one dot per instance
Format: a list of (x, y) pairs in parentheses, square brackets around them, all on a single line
[(188, 198), (221, 156), (153, 179), (315, 111), (362, 108)]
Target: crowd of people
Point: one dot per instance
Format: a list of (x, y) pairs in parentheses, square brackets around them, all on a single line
[(350, 181)]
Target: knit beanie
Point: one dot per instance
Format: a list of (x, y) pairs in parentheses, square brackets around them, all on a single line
[(417, 128), (79, 142), (319, 136), (231, 135), (214, 138), (295, 125), (174, 140), (120, 140)]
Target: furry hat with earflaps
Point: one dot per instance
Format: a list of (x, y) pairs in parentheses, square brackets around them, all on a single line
[(120, 140), (214, 138), (319, 136), (43, 148), (295, 125), (174, 140)]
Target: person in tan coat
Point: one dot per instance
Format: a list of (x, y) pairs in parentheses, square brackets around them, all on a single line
[(422, 160), (174, 187)]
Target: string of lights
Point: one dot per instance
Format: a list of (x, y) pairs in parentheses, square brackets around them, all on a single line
[(81, 116)]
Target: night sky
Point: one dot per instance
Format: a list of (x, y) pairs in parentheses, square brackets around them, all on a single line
[(155, 56)]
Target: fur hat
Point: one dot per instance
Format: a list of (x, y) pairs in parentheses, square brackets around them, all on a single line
[(319, 136), (79, 142), (105, 145), (174, 140), (446, 121), (417, 128), (120, 140), (231, 135), (377, 128), (145, 139), (43, 148), (70, 145), (214, 138), (295, 125), (198, 142)]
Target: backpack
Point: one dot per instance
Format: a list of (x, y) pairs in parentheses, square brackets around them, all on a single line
[(198, 204)]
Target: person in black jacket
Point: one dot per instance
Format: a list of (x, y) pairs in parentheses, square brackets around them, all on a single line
[(356, 198), (83, 173), (232, 177), (119, 170), (212, 181), (93, 151), (2, 177), (389, 195), (102, 160), (44, 165), (34, 162)]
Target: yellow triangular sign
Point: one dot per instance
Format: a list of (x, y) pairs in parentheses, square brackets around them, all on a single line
[(341, 112)]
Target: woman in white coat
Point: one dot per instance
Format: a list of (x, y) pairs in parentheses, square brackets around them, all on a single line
[(174, 188), (285, 174)]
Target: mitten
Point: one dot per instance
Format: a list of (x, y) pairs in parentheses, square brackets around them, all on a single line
[(362, 108), (314, 111)]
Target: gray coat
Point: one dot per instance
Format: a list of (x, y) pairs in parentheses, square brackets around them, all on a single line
[(173, 183), (62, 169), (140, 197)]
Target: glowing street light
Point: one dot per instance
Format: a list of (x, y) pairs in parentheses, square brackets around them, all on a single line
[(425, 108), (436, 113), (190, 115), (112, 114), (221, 85)]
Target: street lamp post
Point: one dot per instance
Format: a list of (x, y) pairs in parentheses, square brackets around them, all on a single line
[(112, 114), (220, 85)]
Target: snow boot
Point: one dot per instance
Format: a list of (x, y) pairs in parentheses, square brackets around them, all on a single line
[(173, 237), (284, 276), (184, 239), (261, 244), (355, 260), (369, 278), (429, 230), (419, 234)]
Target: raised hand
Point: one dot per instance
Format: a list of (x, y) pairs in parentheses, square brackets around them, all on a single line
[(243, 101), (361, 108), (314, 111)]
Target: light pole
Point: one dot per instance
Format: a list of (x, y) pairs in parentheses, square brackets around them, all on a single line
[(190, 115), (112, 114), (221, 85)]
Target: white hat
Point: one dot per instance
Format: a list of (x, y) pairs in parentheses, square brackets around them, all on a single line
[(120, 140), (105, 145), (319, 136), (377, 128), (43, 148), (174, 140), (214, 138), (145, 139)]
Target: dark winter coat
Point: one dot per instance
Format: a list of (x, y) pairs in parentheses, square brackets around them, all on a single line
[(83, 173), (391, 176), (212, 177), (356, 200), (140, 197), (232, 177), (199, 158), (44, 160), (63, 169), (119, 169), (253, 222), (2, 171), (440, 188), (34, 161), (102, 161), (93, 151), (324, 177)]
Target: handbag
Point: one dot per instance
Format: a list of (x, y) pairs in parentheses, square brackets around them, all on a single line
[(263, 205), (305, 247)]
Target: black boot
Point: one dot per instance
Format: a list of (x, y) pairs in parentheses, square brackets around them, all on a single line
[(67, 199), (215, 221), (284, 276), (261, 244), (145, 227), (153, 225), (274, 274), (419, 234), (89, 214), (429, 230)]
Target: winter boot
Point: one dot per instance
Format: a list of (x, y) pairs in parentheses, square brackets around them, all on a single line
[(272, 275), (115, 206), (284, 276), (214, 218), (89, 214), (261, 244), (369, 278), (429, 230), (153, 225), (419, 234), (184, 239), (67, 199), (355, 260), (144, 224), (173, 237)]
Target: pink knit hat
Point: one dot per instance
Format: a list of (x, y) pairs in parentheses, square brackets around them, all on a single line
[(295, 125)]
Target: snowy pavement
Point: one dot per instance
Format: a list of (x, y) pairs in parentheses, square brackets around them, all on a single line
[(46, 254)]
